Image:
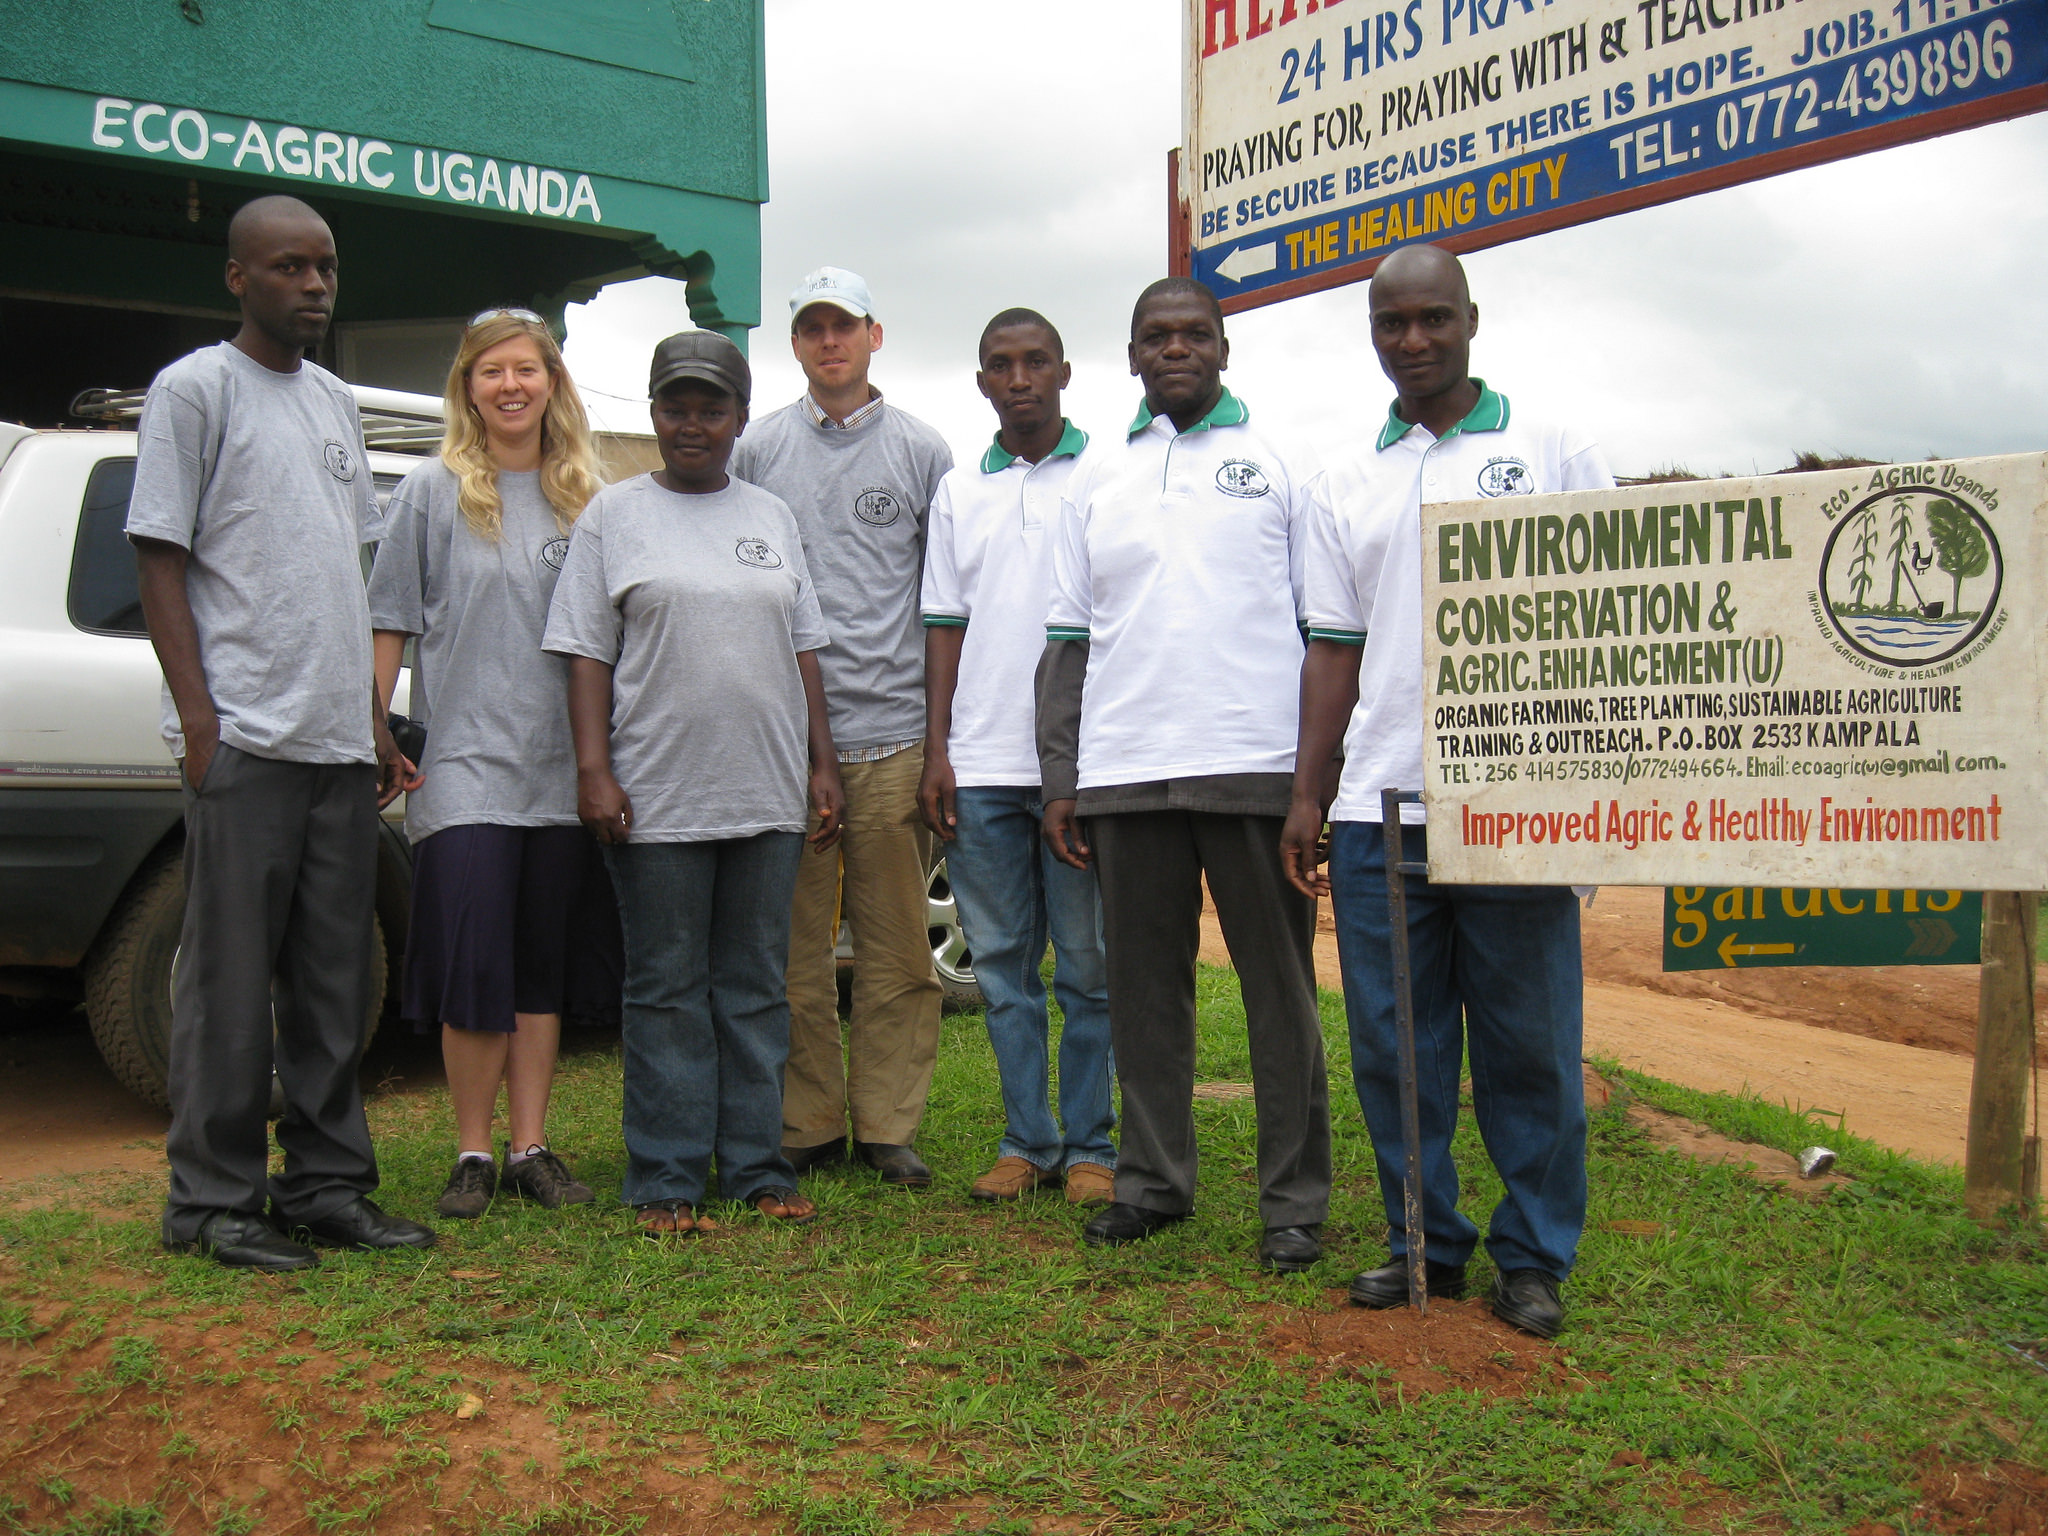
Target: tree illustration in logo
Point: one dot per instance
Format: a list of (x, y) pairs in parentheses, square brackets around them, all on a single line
[(1959, 547), (1863, 568), (1902, 537)]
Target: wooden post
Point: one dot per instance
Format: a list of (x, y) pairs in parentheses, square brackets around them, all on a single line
[(1994, 1170)]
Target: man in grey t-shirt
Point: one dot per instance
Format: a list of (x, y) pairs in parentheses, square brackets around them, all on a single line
[(859, 475), (252, 501)]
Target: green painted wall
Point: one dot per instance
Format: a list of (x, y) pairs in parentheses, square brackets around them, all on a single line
[(125, 142), (377, 67)]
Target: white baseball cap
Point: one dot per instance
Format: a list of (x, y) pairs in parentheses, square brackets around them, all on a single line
[(836, 286)]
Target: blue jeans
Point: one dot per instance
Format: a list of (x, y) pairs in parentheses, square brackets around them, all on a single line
[(706, 1026), (1495, 966), (1012, 892)]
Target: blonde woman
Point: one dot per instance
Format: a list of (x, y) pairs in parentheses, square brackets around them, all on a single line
[(468, 566)]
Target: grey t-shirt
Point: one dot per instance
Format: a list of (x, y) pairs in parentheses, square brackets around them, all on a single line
[(496, 704), (860, 495), (263, 478), (700, 604)]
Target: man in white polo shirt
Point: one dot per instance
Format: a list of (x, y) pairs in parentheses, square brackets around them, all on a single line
[(1166, 724), (1495, 968), (987, 579)]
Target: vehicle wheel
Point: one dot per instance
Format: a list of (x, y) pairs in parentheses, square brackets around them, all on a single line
[(128, 980), (950, 955)]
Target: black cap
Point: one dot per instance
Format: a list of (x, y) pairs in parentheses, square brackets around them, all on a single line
[(703, 355)]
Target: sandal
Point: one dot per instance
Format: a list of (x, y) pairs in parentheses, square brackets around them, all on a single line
[(669, 1218), (787, 1198)]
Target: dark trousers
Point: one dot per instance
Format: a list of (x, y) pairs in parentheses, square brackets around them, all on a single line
[(1150, 866), (280, 886)]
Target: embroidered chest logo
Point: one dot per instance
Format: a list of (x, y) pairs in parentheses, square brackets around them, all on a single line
[(554, 552), (877, 506), (1506, 477), (339, 461), (1241, 477), (756, 553)]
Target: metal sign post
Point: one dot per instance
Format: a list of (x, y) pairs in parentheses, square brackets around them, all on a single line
[(1398, 869)]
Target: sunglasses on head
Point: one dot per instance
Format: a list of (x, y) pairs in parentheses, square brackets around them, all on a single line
[(507, 314)]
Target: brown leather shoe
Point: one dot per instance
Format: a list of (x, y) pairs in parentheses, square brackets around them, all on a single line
[(1010, 1178), (1090, 1184)]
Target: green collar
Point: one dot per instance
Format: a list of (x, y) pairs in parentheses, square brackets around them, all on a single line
[(1489, 415), (998, 458), (1228, 411)]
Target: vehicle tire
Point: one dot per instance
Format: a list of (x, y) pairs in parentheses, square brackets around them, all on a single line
[(128, 980), (950, 955)]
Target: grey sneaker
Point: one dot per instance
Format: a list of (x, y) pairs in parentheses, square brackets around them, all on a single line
[(546, 1180), (469, 1190)]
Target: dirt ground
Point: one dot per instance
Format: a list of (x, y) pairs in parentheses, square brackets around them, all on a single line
[(1883, 1052)]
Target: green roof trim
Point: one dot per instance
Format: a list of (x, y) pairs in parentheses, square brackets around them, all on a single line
[(1489, 415), (998, 458), (1228, 411)]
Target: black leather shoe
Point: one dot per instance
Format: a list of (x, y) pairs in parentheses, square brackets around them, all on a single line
[(1290, 1250), (246, 1242), (1127, 1224), (900, 1166), (1528, 1299), (825, 1153), (1387, 1286), (360, 1224)]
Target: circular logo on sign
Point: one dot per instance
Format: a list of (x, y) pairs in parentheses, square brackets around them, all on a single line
[(1241, 477), (1911, 576), (340, 462), (756, 553), (554, 552), (877, 506), (1505, 477)]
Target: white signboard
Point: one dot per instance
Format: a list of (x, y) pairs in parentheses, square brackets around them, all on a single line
[(1317, 137), (1832, 679)]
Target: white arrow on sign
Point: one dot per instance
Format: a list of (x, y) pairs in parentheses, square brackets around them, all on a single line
[(1248, 261)]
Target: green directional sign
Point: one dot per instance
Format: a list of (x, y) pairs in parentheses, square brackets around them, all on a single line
[(1711, 928)]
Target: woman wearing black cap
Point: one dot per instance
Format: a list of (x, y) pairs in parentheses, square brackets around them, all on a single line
[(686, 611)]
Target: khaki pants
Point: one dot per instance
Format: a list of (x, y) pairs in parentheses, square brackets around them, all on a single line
[(883, 1069)]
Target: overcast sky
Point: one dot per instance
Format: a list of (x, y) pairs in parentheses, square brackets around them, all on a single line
[(964, 158)]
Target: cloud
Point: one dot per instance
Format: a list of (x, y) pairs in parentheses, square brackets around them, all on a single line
[(966, 158)]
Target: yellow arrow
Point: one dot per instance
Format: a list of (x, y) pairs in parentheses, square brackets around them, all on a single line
[(1730, 949)]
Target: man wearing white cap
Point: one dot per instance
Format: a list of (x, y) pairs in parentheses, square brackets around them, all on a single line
[(859, 474)]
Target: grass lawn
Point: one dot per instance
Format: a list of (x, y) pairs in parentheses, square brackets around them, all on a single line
[(1735, 1358)]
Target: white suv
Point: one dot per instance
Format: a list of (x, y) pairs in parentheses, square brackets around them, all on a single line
[(91, 815)]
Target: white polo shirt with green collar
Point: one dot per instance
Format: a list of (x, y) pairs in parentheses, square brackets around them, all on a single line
[(1180, 561), (988, 569), (1365, 564)]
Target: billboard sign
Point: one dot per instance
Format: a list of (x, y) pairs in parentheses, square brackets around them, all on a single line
[(1820, 680), (1318, 137)]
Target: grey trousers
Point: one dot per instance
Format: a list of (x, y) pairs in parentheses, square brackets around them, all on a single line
[(280, 888), (1150, 865)]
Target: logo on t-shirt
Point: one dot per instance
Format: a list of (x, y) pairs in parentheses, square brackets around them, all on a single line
[(1241, 477), (340, 462), (554, 552), (755, 552), (877, 506), (1506, 477)]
